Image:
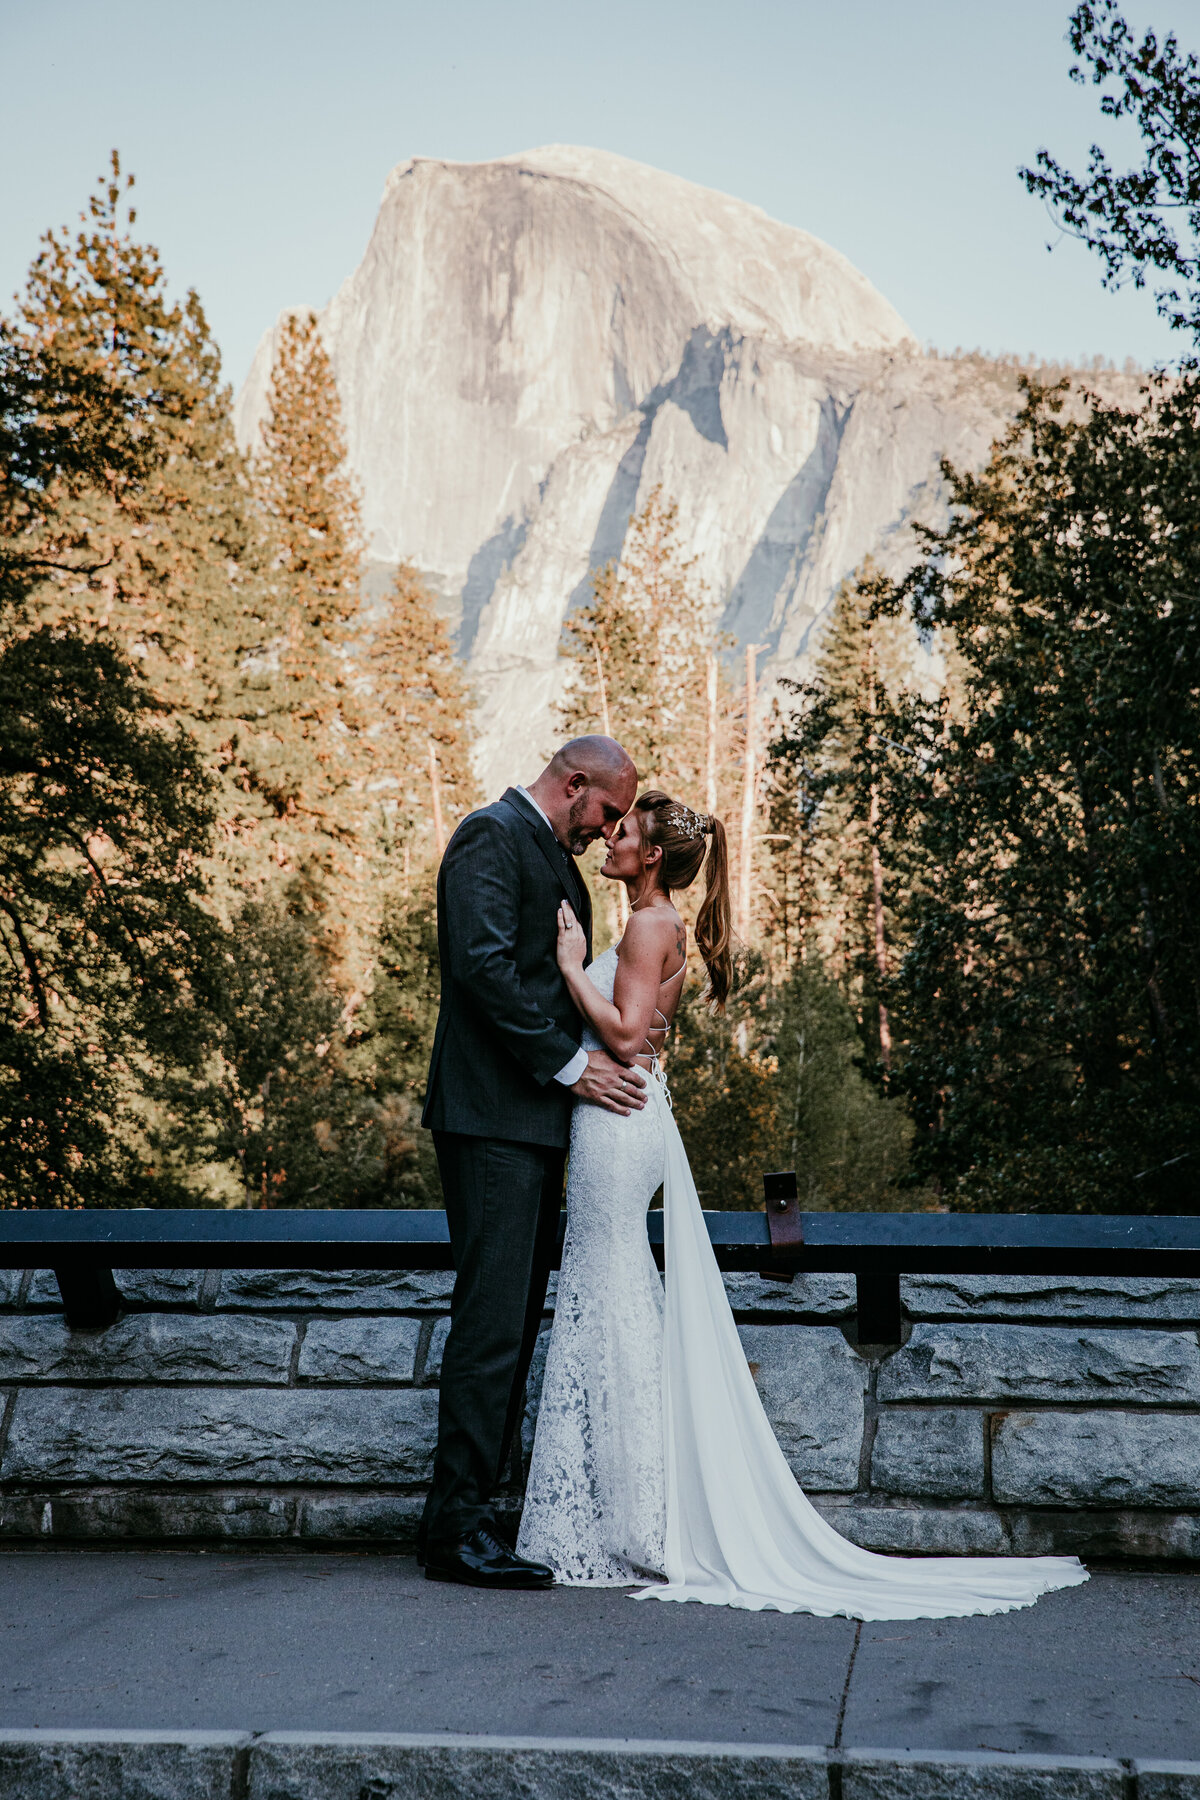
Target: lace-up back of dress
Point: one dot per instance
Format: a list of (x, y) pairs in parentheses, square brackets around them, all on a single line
[(603, 975), (652, 1050)]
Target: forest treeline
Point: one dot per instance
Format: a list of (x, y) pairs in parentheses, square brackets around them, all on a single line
[(969, 960)]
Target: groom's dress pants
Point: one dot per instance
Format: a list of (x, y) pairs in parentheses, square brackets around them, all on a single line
[(502, 1205)]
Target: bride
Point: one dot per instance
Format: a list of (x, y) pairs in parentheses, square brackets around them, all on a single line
[(653, 1459)]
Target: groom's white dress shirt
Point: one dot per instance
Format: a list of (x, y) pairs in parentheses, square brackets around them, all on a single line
[(571, 1071)]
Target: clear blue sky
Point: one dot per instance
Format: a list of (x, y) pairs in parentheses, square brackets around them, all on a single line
[(261, 134)]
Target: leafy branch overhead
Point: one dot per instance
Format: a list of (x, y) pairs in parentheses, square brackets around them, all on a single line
[(1144, 222)]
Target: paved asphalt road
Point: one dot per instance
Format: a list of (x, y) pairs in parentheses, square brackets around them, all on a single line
[(129, 1639)]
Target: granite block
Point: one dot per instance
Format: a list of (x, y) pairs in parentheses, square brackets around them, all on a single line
[(363, 1349), (1167, 1780), (1107, 1458), (362, 1518), (1112, 1533), (347, 1437), (811, 1384), (337, 1290), (10, 1286), (919, 1530), (1048, 1297), (304, 1766), (1040, 1362), (805, 1296), (132, 1515), (142, 1287), (437, 1344), (119, 1765), (977, 1775), (938, 1452), (147, 1347)]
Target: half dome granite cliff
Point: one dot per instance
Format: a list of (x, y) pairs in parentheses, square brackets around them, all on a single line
[(529, 345)]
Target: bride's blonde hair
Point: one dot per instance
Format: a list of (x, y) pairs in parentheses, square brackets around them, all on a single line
[(681, 835)]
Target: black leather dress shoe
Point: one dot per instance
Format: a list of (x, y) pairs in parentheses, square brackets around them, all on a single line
[(481, 1560)]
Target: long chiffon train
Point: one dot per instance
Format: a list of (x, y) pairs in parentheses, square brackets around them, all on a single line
[(739, 1530)]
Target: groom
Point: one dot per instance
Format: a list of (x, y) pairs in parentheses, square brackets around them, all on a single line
[(505, 1072)]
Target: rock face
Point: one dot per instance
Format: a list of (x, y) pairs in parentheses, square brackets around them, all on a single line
[(529, 345)]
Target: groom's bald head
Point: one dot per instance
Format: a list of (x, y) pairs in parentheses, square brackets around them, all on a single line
[(602, 759), (586, 789)]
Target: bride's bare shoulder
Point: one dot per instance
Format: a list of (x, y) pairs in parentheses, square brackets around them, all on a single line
[(657, 933)]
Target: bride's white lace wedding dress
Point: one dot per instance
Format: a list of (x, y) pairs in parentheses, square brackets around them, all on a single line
[(653, 1456)]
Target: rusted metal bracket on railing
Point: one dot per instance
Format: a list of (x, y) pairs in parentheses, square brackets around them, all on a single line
[(784, 1223)]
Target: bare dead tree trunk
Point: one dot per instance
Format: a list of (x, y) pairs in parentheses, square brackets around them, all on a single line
[(602, 690), (606, 727), (435, 789), (710, 737), (885, 1028), (746, 857)]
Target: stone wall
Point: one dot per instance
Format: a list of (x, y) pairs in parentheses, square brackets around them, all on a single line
[(1019, 1415)]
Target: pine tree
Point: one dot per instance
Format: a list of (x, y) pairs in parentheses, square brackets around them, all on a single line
[(169, 569), (639, 654), (647, 665), (106, 809), (1048, 1001), (311, 754), (422, 745), (827, 771)]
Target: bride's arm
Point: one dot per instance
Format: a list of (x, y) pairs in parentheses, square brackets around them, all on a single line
[(621, 1023)]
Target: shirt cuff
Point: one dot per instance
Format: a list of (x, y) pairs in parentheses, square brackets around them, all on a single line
[(571, 1071)]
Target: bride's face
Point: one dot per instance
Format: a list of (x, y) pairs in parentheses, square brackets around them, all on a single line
[(626, 859)]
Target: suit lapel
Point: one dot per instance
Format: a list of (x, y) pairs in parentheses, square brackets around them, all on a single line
[(561, 862), (584, 907), (545, 840)]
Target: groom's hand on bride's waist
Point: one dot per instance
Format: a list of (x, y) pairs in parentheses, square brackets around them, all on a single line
[(618, 1087)]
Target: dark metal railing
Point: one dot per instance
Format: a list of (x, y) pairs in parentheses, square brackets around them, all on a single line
[(83, 1248)]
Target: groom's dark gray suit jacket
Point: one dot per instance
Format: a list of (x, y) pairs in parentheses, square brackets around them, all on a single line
[(506, 1024)]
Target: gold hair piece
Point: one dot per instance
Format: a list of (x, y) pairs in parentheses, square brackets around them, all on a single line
[(690, 824)]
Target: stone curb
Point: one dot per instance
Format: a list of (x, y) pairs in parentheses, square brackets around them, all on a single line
[(293, 1765), (122, 1765), (980, 1775)]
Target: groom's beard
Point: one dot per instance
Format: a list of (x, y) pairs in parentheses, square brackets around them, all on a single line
[(578, 839)]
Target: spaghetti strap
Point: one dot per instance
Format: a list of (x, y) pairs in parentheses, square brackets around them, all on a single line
[(674, 973)]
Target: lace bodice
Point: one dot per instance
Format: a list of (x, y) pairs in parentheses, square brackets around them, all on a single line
[(603, 976)]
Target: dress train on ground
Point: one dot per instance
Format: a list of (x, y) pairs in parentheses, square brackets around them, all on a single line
[(739, 1530)]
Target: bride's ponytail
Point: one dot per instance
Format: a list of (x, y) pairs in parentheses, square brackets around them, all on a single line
[(680, 833), (713, 925)]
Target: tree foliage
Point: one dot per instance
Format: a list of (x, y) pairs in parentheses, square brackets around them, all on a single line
[(284, 1111), (1146, 220), (638, 655), (825, 794), (161, 556), (105, 814), (1049, 996), (106, 807), (312, 749), (778, 1083), (421, 747)]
